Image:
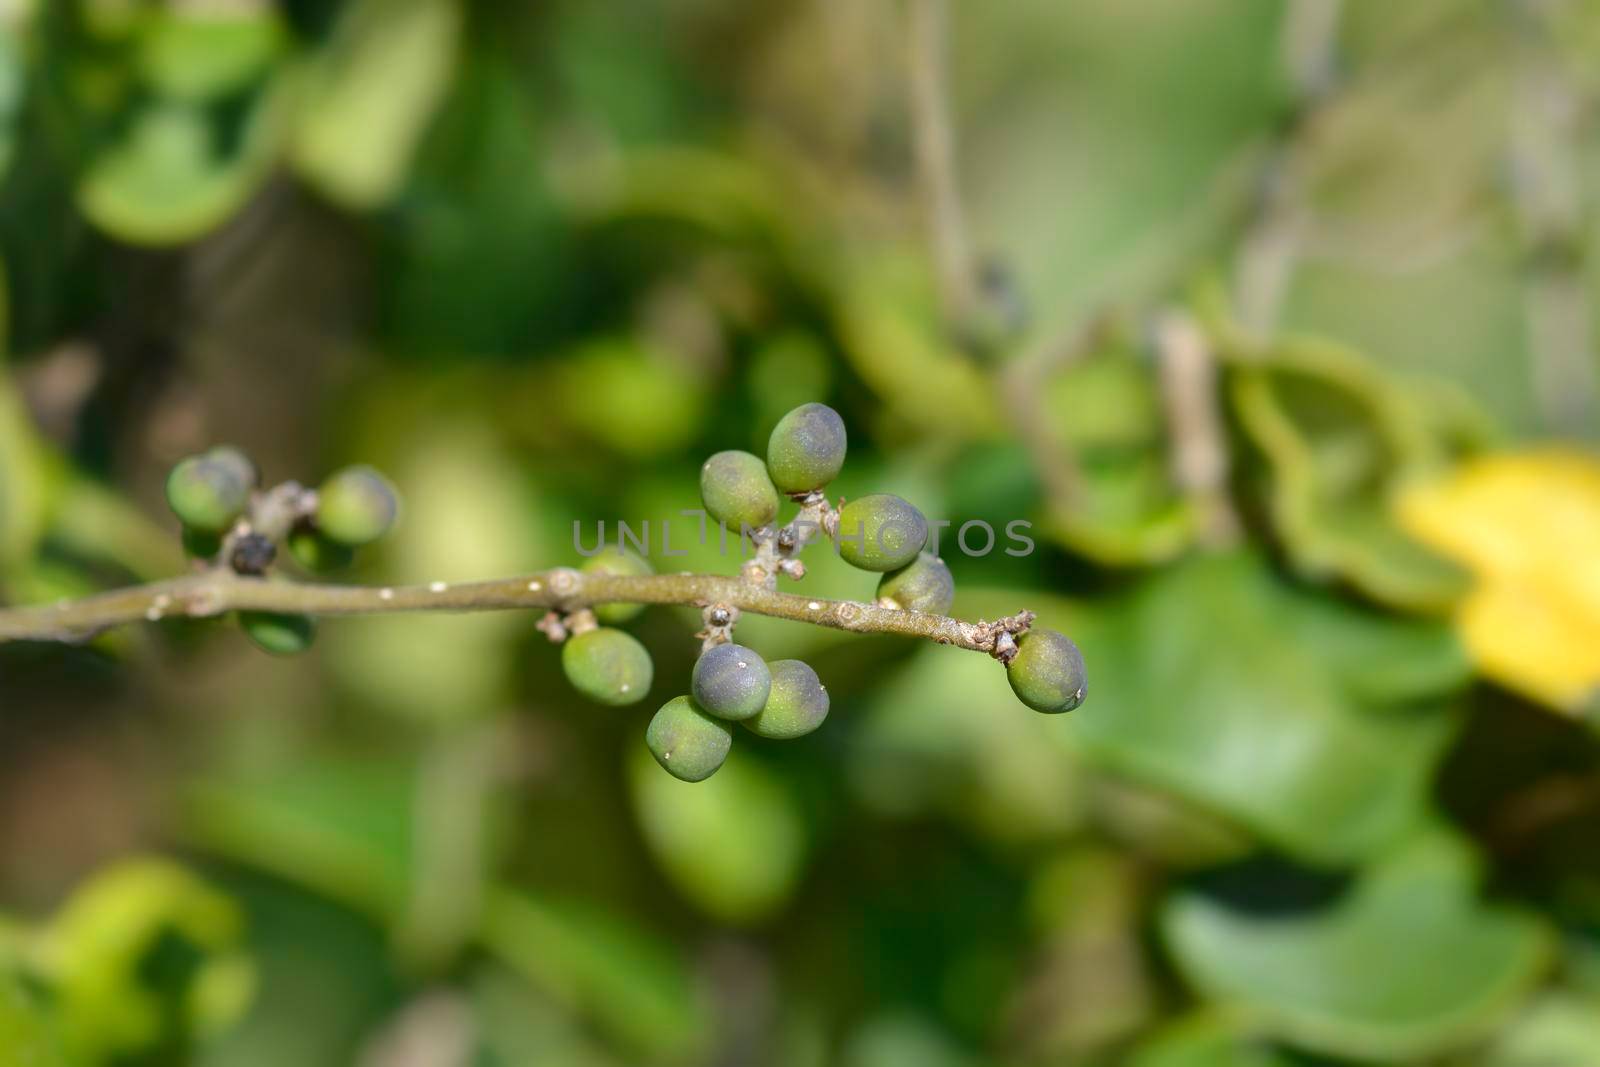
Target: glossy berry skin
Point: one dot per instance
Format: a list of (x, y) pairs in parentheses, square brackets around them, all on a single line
[(880, 532), (281, 635), (924, 584), (731, 682), (206, 493), (737, 492), (356, 506), (1047, 673), (620, 561), (806, 449), (689, 744), (797, 704), (608, 666), (316, 553)]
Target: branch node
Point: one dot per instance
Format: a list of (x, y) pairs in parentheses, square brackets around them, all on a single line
[(551, 626)]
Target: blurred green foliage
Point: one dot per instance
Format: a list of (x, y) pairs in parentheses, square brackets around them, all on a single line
[(536, 262)]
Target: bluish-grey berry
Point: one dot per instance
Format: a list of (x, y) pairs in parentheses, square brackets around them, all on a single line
[(797, 704), (687, 742), (356, 506), (731, 681), (1047, 673), (207, 493), (806, 449), (619, 561), (608, 666), (737, 491), (880, 532), (280, 634), (924, 584)]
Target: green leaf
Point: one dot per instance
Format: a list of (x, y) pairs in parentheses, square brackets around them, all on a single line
[(201, 56), (371, 97), (1212, 1039), (733, 844), (1408, 964), (1557, 1029), (24, 481), (1337, 442), (176, 173), (1220, 683), (28, 1035), (596, 962)]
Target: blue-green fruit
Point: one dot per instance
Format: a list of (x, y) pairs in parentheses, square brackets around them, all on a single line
[(687, 742), (731, 682), (282, 635), (620, 561), (243, 467), (880, 532), (806, 449), (317, 552), (924, 584), (797, 704), (608, 666), (207, 493), (1047, 672), (356, 506), (736, 490)]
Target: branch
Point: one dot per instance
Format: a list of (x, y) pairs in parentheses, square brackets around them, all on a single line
[(218, 592), (933, 137)]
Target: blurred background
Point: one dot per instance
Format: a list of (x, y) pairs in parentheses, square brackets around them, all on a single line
[(1275, 319)]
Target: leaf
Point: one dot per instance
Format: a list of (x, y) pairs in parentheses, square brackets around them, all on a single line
[(200, 56), (1212, 1039), (371, 96), (176, 173), (598, 963), (1219, 683), (1105, 411), (733, 844), (28, 1035), (1558, 1029), (1338, 441), (1408, 964), (25, 486), (1527, 526)]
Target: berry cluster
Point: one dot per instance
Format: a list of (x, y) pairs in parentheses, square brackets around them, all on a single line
[(690, 736), (230, 521)]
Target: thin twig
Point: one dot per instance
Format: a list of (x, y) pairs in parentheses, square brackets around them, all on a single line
[(933, 136), (1199, 450), (1548, 197), (218, 592)]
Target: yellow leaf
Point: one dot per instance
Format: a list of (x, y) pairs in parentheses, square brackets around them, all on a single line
[(1528, 526)]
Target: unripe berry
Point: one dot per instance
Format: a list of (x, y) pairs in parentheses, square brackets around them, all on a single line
[(737, 491), (731, 681), (243, 466), (688, 743), (620, 561), (318, 553), (797, 704), (1047, 673), (356, 505), (207, 493), (201, 545), (282, 635), (924, 584), (608, 666), (880, 532), (806, 449)]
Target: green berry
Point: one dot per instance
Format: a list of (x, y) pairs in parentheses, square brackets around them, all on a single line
[(737, 491), (618, 561), (282, 635), (924, 584), (731, 681), (234, 459), (880, 532), (608, 666), (207, 493), (356, 505), (1047, 673), (806, 449), (797, 704), (688, 743), (318, 553)]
